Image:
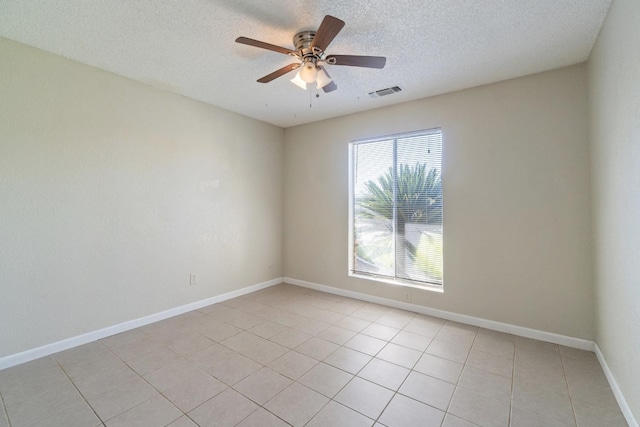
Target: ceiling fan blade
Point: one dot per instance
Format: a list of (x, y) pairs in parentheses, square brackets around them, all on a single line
[(330, 87), (329, 28), (357, 61), (263, 45), (281, 72)]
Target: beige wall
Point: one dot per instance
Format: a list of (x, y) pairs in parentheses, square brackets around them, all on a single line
[(112, 193), (614, 117), (516, 200)]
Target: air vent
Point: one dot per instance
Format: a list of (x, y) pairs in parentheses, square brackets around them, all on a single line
[(384, 92)]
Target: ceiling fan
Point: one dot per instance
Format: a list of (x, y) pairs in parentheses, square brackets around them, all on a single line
[(310, 52)]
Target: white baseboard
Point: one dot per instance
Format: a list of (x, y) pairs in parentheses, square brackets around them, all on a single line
[(45, 350), (622, 402), (462, 318)]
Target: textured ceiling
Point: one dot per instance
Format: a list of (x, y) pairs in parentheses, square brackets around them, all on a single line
[(187, 46)]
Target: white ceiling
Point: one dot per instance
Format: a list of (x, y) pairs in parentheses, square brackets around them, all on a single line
[(187, 46)]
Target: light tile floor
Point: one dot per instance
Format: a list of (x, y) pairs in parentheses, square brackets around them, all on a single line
[(292, 356)]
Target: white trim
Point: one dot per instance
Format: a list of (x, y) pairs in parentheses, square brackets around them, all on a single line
[(422, 132), (350, 204), (622, 402), (399, 282), (448, 315), (45, 350)]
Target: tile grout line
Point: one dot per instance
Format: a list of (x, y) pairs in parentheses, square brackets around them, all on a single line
[(355, 375), (457, 385), (513, 380), (330, 399), (564, 374), (262, 366), (228, 387), (4, 408), (192, 364), (396, 392), (142, 378), (108, 349), (314, 415), (78, 390), (293, 381), (260, 406)]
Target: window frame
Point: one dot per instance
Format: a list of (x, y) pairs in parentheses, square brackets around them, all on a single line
[(434, 287)]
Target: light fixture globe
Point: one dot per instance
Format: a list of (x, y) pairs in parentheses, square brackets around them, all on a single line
[(309, 72), (323, 78), (299, 82)]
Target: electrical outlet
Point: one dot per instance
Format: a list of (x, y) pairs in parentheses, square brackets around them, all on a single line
[(193, 279)]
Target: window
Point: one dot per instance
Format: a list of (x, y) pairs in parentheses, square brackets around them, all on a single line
[(395, 222)]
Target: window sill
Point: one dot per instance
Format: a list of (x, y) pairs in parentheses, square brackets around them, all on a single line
[(406, 283)]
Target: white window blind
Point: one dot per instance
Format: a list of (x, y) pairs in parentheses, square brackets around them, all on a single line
[(396, 206)]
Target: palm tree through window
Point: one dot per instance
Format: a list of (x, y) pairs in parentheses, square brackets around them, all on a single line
[(396, 208)]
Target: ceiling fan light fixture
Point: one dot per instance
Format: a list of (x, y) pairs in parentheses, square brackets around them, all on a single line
[(297, 80), (309, 72), (323, 79)]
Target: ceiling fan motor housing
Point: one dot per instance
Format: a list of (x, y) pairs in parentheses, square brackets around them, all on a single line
[(303, 39), (302, 42)]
